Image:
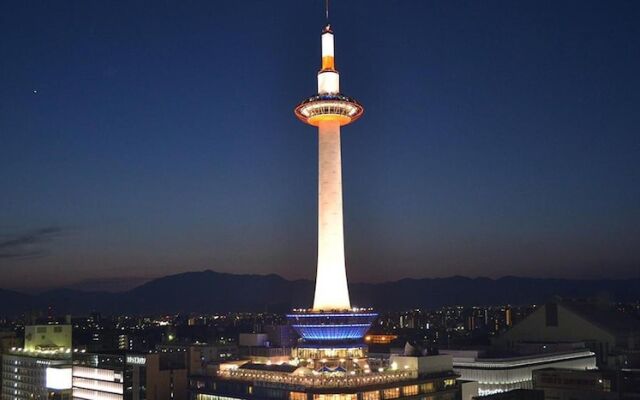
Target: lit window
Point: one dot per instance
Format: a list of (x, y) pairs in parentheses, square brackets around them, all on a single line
[(373, 395), (410, 390), (297, 396), (427, 387), (392, 393)]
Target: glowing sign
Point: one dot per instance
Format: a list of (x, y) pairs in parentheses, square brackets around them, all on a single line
[(136, 360), (58, 378)]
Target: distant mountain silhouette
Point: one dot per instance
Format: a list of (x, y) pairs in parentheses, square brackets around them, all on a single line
[(209, 291)]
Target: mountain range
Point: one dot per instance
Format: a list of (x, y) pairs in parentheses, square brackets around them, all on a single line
[(210, 291)]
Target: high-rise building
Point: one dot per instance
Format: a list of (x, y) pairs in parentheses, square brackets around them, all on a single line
[(36, 375), (130, 376), (8, 340), (42, 368)]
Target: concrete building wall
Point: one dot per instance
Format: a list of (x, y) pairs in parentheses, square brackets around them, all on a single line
[(423, 364), (164, 382), (468, 390)]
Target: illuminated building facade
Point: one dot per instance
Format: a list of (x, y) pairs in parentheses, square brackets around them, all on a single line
[(130, 376), (496, 375), (36, 375), (42, 368), (380, 338)]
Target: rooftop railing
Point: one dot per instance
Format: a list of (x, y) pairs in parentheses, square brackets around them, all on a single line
[(321, 380)]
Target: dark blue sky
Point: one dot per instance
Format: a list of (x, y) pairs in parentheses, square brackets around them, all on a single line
[(139, 139)]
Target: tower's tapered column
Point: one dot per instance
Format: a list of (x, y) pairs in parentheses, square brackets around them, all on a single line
[(332, 324), (331, 292), (329, 110)]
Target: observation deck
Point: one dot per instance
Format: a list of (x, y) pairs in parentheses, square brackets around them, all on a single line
[(329, 107)]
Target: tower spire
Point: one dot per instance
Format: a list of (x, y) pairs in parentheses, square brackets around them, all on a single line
[(329, 110), (326, 10), (331, 329)]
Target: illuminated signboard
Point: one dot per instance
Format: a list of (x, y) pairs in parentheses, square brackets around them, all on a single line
[(136, 360), (58, 378)]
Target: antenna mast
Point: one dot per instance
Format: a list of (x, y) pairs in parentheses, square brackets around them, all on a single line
[(326, 9)]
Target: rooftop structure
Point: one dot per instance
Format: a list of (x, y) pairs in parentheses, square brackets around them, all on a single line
[(496, 375), (611, 335), (124, 375), (42, 368)]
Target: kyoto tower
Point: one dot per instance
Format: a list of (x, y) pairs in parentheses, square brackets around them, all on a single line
[(332, 330), (329, 110)]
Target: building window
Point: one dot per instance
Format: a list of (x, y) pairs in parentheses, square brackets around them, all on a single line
[(297, 396), (342, 396), (410, 390), (214, 397), (427, 387), (392, 393), (372, 395)]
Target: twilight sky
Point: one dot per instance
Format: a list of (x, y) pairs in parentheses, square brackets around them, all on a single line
[(139, 139)]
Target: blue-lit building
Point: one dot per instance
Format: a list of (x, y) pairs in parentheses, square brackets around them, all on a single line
[(327, 339)]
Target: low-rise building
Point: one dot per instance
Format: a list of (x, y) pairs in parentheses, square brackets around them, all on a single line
[(614, 337), (495, 375), (406, 377)]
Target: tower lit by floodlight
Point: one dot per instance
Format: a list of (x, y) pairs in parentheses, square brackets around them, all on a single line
[(329, 110), (330, 361), (332, 329)]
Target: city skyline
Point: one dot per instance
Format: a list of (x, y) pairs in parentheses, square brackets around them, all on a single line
[(502, 140)]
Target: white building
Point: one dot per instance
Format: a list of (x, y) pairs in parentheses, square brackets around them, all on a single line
[(496, 375)]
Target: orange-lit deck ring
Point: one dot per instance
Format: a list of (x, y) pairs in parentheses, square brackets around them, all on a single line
[(329, 107)]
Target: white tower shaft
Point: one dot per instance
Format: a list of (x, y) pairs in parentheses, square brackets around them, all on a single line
[(331, 292)]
